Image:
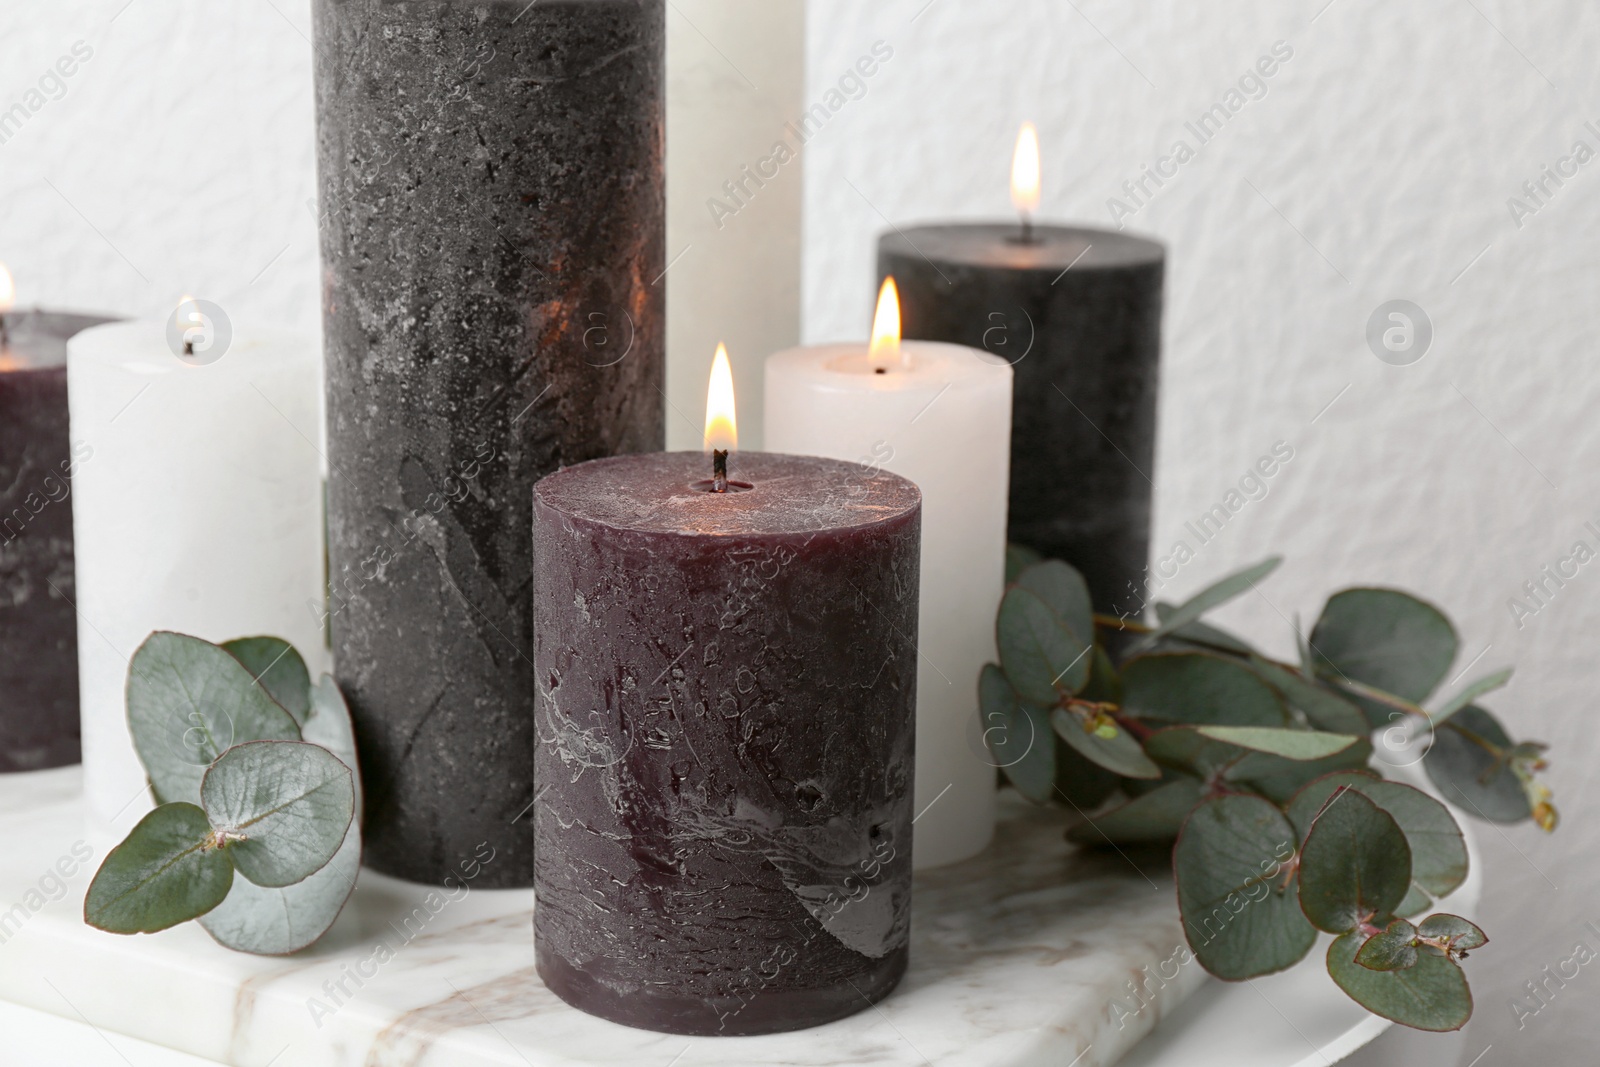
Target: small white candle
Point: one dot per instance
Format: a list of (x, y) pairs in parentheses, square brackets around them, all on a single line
[(940, 415), (198, 509)]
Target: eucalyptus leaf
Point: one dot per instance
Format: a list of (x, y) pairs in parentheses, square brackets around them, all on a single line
[(1201, 633), (1240, 919), (1017, 735), (1018, 559), (1472, 692), (1463, 936), (1354, 865), (329, 725), (1215, 595), (1385, 639), (1040, 654), (1415, 903), (1395, 949), (1198, 687), (1323, 709), (1110, 745), (1280, 779), (1430, 995), (282, 807), (1438, 850), (1083, 785), (1151, 817), (188, 702), (1298, 745), (1063, 591), (277, 668), (276, 922), (166, 872), (1467, 763)]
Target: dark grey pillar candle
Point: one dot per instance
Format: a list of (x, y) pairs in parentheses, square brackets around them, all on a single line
[(38, 623), (727, 717), (493, 228), (1078, 314)]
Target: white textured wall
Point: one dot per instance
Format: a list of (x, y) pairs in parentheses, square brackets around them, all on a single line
[(178, 160), (1377, 166)]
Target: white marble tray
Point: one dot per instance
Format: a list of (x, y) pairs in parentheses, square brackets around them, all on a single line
[(1022, 956)]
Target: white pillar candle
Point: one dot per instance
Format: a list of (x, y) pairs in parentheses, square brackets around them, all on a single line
[(940, 415), (735, 81), (197, 508)]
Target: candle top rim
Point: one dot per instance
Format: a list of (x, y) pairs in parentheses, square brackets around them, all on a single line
[(932, 365), (994, 244), (657, 493), (37, 337)]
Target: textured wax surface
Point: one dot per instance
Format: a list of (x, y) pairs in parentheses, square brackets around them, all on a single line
[(727, 692), (38, 624), (492, 220), (1085, 349)]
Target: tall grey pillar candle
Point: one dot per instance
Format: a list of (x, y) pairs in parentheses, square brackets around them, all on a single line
[(493, 227), (1077, 312)]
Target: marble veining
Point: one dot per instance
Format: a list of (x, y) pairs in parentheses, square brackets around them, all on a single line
[(1029, 954)]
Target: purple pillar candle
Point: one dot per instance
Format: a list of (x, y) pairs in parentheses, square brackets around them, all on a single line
[(726, 717), (38, 624)]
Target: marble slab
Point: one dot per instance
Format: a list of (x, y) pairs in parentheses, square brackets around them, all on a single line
[(1027, 955)]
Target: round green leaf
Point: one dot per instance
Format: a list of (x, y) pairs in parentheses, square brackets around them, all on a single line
[(1111, 746), (1063, 591), (1039, 653), (1415, 904), (1386, 639), (188, 702), (278, 669), (1017, 736), (1197, 687), (1355, 864), (1394, 949), (1018, 559), (168, 871), (329, 725), (1462, 935), (1080, 783), (1438, 851), (275, 922), (1430, 995), (1469, 774), (1279, 779), (1322, 709), (1151, 817), (1228, 861), (282, 807)]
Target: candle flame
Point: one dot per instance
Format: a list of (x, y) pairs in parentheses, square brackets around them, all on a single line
[(8, 290), (188, 311), (1025, 170), (884, 352), (722, 428)]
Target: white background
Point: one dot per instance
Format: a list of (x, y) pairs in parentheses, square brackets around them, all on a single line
[(1377, 165)]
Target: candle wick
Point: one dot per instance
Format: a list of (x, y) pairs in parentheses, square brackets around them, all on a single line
[(5, 333), (719, 470), (188, 348), (1027, 228)]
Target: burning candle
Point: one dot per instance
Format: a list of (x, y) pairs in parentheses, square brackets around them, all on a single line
[(939, 415), (726, 721), (1077, 312), (200, 511), (38, 627)]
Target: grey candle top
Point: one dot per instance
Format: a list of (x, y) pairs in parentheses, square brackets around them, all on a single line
[(997, 244), (774, 495), (37, 339)]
